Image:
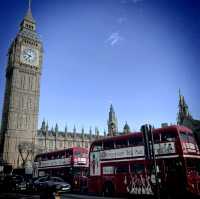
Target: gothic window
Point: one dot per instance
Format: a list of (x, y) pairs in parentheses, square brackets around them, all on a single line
[(21, 121), (30, 104), (70, 144), (40, 142), (21, 82), (25, 102), (22, 102), (14, 121), (24, 121), (50, 144), (24, 81), (86, 144), (30, 82), (33, 83), (36, 83), (61, 144), (18, 122)]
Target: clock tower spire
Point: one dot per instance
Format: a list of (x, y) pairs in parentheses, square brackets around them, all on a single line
[(21, 100), (28, 22)]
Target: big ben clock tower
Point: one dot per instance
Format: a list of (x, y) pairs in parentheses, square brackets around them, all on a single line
[(21, 100)]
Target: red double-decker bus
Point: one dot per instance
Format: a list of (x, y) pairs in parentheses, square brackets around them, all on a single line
[(118, 165), (70, 164)]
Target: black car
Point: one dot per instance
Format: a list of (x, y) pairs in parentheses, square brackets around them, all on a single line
[(14, 183), (55, 184)]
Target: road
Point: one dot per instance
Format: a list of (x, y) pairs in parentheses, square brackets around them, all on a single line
[(79, 196), (63, 196)]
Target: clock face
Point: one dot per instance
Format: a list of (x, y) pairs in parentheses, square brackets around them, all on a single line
[(29, 56)]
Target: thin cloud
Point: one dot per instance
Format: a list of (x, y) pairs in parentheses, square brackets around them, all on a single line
[(136, 1), (129, 1), (121, 20), (124, 1), (114, 38)]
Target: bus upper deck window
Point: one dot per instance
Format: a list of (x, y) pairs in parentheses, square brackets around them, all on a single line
[(77, 153), (38, 159), (168, 136), (121, 143), (191, 138), (156, 138), (69, 153), (108, 145), (136, 141), (184, 136), (97, 147)]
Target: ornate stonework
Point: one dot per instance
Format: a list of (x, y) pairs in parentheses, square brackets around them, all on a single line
[(54, 139), (184, 118), (112, 122), (21, 100)]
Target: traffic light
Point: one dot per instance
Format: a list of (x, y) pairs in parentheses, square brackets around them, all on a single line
[(146, 138)]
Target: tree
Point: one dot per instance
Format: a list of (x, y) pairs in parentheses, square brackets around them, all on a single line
[(26, 150)]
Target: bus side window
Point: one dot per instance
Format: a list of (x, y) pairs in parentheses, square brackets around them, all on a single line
[(156, 138), (108, 145), (136, 141), (191, 138), (168, 137), (63, 155), (38, 159), (121, 143), (184, 136), (121, 169), (97, 147), (137, 168), (44, 158)]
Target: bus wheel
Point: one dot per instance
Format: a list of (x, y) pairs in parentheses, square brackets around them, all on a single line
[(108, 189)]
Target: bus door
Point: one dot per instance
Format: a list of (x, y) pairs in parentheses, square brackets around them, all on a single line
[(122, 177), (193, 175), (80, 180), (175, 176)]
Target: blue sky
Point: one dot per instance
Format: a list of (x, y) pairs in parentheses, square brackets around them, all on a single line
[(135, 54)]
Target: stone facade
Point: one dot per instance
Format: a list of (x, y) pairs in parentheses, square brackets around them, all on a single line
[(21, 99), (112, 122), (184, 118), (51, 140)]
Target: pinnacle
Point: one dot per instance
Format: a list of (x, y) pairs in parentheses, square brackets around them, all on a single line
[(29, 15)]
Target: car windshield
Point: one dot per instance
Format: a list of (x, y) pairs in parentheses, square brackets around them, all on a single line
[(42, 179), (56, 179)]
